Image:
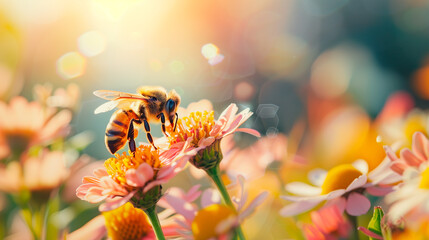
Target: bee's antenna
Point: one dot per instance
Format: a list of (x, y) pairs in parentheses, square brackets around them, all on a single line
[(175, 123)]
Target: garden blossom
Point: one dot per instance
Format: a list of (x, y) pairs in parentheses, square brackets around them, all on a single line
[(411, 199), (25, 124), (45, 171), (223, 219), (204, 133), (343, 183), (124, 223), (327, 223), (417, 157), (127, 177)]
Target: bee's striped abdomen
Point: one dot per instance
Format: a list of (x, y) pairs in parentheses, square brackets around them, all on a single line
[(117, 130)]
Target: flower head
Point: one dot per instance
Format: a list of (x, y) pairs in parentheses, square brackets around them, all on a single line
[(327, 223), (223, 219), (124, 223), (204, 134), (45, 171), (137, 178), (344, 183), (24, 124)]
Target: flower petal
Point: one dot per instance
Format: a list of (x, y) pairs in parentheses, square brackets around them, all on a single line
[(140, 176), (302, 189), (317, 176), (357, 204), (252, 205), (113, 203), (210, 197), (300, 207), (357, 183)]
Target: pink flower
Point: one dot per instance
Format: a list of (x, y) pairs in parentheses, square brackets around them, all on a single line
[(202, 131), (24, 124), (416, 157), (42, 172), (125, 222), (327, 223), (223, 219), (123, 176), (343, 183)]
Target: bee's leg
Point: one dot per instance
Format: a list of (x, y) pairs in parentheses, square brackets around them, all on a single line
[(131, 142), (175, 123), (161, 115), (148, 135)]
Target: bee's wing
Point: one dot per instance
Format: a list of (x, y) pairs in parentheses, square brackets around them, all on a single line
[(105, 107), (115, 95), (116, 99)]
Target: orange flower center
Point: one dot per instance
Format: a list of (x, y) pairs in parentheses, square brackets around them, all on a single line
[(340, 177), (213, 214), (127, 223), (424, 181), (198, 125), (117, 166)]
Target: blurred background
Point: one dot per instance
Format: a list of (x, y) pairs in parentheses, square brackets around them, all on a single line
[(272, 56), (293, 62)]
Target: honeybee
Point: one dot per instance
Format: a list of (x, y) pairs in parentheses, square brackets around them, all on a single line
[(150, 104)]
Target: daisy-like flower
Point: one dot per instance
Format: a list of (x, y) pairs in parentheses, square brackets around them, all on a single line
[(24, 124), (327, 223), (205, 134), (344, 183), (124, 223), (62, 97), (416, 157), (223, 219), (45, 171), (411, 199), (126, 178)]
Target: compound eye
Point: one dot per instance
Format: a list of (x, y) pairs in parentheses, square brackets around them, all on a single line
[(153, 98), (170, 105)]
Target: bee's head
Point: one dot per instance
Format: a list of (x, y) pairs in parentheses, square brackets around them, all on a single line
[(171, 106)]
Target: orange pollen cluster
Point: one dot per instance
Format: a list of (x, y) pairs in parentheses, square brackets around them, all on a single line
[(198, 125), (117, 166), (127, 223)]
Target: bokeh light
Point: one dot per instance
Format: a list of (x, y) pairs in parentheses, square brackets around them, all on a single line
[(91, 43), (211, 53), (71, 65)]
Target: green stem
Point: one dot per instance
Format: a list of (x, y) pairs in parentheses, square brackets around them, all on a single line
[(153, 217), (354, 222), (214, 174)]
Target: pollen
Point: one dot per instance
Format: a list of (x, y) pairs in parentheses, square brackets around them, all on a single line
[(213, 214), (127, 223), (198, 126), (424, 181), (340, 177), (117, 166)]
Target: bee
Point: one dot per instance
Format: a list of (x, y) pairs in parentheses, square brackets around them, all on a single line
[(150, 104)]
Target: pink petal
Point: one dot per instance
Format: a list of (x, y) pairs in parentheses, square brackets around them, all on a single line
[(335, 194), (249, 131), (193, 193), (252, 205), (300, 207), (379, 191), (100, 172), (210, 197), (357, 204), (410, 158), (182, 207), (370, 233), (165, 172), (390, 154), (115, 202), (420, 145), (205, 142), (140, 176), (95, 195)]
